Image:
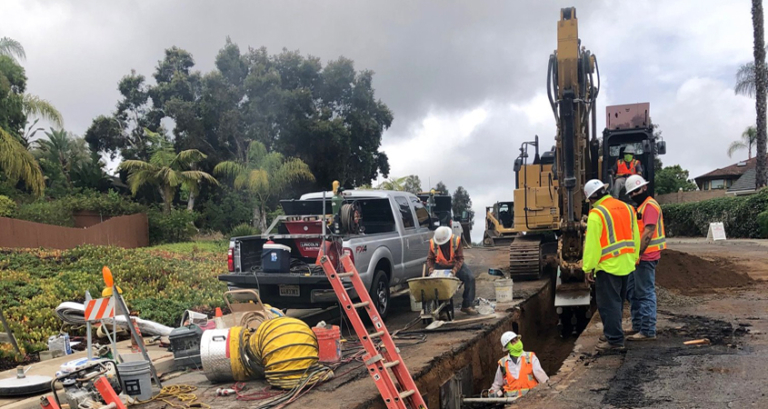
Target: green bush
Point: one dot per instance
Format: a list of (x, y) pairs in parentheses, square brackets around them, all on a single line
[(109, 205), (176, 226), (739, 216), (225, 210), (762, 221), (243, 229), (7, 206), (54, 212)]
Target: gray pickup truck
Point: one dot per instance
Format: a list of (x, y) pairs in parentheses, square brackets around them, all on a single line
[(390, 248)]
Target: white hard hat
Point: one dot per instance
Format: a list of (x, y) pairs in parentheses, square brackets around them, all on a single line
[(506, 337), (634, 182), (630, 149), (593, 186), (442, 235)]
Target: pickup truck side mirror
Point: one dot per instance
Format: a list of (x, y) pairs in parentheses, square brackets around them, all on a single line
[(661, 147)]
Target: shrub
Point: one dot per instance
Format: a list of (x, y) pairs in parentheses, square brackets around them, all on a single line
[(55, 212), (739, 216), (7, 206), (243, 229), (173, 227), (109, 205), (158, 285), (762, 221), (225, 210)]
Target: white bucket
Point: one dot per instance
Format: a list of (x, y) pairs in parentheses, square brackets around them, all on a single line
[(137, 379), (415, 306), (503, 288)]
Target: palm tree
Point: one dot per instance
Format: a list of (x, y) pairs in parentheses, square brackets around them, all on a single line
[(166, 169), (12, 48), (748, 140), (265, 175), (397, 184), (34, 106), (18, 164), (760, 89), (63, 150)]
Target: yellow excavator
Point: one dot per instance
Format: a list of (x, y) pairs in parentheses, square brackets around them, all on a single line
[(499, 224), (550, 212)]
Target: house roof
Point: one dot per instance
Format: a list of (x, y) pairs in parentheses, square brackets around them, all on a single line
[(730, 172), (745, 183)]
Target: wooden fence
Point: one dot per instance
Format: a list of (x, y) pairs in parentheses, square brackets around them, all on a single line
[(123, 231)]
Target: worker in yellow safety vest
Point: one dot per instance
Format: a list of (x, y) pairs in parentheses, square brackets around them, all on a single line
[(624, 168), (611, 250), (446, 253), (519, 371), (641, 287)]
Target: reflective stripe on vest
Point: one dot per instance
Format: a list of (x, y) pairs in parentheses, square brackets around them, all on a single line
[(441, 259), (625, 170), (525, 380), (617, 237), (658, 240)]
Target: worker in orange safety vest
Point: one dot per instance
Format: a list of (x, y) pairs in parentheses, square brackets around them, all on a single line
[(519, 371), (624, 168), (446, 253)]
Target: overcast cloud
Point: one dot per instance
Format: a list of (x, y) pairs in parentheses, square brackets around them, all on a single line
[(465, 79)]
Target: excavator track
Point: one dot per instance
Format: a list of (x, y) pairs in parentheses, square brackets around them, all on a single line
[(525, 258)]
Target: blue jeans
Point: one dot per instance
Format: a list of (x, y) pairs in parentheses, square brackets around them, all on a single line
[(641, 292), (610, 292)]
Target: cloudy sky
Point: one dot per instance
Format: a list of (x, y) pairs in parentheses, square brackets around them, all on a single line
[(465, 79)]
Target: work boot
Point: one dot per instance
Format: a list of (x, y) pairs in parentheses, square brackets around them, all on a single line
[(469, 311), (630, 332), (604, 346), (641, 337)]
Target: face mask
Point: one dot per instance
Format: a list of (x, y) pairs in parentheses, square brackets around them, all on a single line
[(628, 158), (640, 198), (515, 350)]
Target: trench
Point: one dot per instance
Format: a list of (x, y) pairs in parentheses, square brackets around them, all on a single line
[(471, 367)]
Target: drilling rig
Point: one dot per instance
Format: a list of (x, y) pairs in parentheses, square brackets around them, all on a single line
[(550, 209)]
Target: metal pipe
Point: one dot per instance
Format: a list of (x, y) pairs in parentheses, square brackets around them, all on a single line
[(489, 400), (88, 345), (322, 241)]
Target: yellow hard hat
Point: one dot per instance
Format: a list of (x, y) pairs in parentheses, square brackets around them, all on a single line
[(432, 191), (335, 186)]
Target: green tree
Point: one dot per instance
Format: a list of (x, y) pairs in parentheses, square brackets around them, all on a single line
[(461, 203), (441, 188), (38, 108), (671, 179), (12, 48), (166, 169), (760, 90), (13, 84), (59, 154), (397, 184), (265, 175), (412, 184), (17, 163), (748, 140)]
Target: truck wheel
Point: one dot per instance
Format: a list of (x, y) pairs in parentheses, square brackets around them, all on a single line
[(380, 293)]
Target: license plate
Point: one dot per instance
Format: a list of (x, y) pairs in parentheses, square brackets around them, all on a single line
[(289, 290)]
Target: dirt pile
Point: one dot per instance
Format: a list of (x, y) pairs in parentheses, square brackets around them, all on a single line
[(689, 274)]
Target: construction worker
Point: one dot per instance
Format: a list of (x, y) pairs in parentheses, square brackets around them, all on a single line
[(624, 168), (446, 253), (641, 288), (519, 371), (611, 250)]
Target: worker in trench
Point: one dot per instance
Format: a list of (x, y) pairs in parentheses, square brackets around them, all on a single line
[(624, 168), (446, 253), (641, 286), (519, 371), (611, 250)]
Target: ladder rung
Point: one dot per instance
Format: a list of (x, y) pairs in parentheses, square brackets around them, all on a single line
[(391, 364), (407, 394), (344, 275), (376, 334), (361, 304)]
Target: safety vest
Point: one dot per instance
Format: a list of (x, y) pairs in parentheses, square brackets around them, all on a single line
[(618, 220), (658, 240), (624, 169), (441, 260), (525, 380)]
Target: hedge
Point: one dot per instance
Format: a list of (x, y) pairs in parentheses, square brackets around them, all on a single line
[(739, 215), (158, 285)]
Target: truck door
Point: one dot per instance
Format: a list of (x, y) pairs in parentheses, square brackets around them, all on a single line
[(424, 233), (411, 241)]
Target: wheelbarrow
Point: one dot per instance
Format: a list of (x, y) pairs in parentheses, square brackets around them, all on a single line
[(435, 295)]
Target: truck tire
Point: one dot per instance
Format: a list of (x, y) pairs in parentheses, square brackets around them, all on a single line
[(380, 293)]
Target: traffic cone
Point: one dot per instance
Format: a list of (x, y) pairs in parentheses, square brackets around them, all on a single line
[(217, 318)]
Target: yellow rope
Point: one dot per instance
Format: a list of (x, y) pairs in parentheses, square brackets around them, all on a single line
[(182, 393)]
